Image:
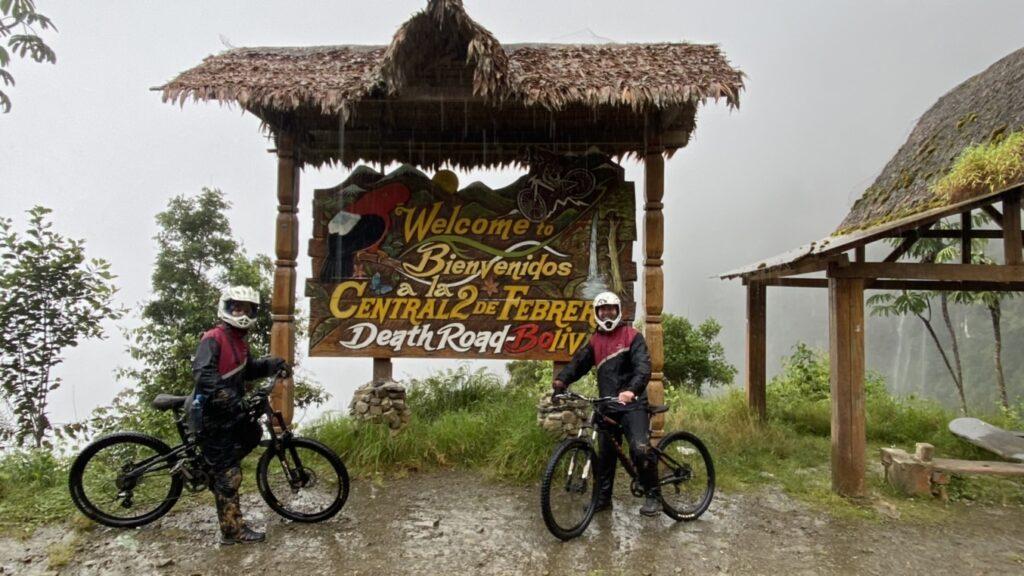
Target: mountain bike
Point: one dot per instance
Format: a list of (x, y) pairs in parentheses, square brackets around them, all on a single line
[(569, 488), (129, 479)]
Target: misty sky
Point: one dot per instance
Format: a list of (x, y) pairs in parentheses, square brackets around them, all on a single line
[(833, 89)]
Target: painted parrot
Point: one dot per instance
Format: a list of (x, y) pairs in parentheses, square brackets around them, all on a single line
[(361, 226)]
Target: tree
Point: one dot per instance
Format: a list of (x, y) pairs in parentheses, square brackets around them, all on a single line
[(693, 356), (20, 24), (197, 257), (51, 298), (936, 250)]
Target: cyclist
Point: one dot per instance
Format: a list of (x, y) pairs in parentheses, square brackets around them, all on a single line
[(221, 368), (623, 366)]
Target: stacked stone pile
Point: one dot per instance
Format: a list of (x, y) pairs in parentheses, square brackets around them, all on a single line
[(563, 419), (381, 401)]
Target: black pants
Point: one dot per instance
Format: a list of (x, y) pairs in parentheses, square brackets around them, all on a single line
[(637, 425), (224, 449)]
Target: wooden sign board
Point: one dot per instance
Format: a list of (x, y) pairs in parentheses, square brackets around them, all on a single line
[(409, 265)]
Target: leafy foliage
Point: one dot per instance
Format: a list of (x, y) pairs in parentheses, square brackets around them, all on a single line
[(694, 358), (197, 257), (51, 298), (20, 24)]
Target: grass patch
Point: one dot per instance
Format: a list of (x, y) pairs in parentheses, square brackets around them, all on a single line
[(984, 168), (33, 491)]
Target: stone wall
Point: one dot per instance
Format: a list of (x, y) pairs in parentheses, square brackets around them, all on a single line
[(383, 402)]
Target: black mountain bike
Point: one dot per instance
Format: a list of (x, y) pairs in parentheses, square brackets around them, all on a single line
[(128, 479), (569, 489)]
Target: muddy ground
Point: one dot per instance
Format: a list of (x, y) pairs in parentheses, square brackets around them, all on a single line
[(457, 523)]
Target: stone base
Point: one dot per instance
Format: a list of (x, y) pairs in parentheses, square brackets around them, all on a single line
[(383, 402), (563, 420)]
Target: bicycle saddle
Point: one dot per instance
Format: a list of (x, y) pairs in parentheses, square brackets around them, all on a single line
[(167, 401), (653, 409)]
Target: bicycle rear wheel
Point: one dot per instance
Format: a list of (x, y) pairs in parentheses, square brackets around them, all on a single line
[(124, 480), (305, 482), (568, 490), (686, 476)]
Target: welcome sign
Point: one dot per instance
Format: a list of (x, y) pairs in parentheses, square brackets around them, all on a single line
[(405, 264)]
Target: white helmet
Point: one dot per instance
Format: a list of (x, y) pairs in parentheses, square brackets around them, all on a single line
[(607, 299), (238, 294)]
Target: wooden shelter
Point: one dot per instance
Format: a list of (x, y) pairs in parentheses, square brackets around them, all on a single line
[(446, 92), (902, 206)]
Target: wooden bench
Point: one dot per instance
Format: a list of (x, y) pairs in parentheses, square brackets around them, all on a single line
[(920, 474)]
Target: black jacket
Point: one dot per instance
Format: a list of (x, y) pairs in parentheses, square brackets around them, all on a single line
[(622, 361), (222, 381)]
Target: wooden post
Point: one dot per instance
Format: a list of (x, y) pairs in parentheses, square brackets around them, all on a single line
[(1011, 228), (965, 238), (846, 353), (654, 280), (382, 369), (756, 348), (282, 304)]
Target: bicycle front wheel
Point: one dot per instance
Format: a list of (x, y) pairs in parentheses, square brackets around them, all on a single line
[(568, 490), (305, 481), (686, 476), (124, 480)]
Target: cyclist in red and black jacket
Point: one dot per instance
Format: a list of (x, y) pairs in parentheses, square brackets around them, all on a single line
[(619, 354), (221, 368)]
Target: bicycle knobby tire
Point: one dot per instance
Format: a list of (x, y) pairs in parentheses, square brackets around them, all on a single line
[(87, 507)]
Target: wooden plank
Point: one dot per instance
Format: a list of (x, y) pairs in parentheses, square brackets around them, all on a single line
[(654, 283), (846, 353), (978, 467), (913, 271), (1011, 229), (757, 349), (992, 438)]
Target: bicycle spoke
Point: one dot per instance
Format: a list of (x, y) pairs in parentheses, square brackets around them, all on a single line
[(571, 489), (305, 485)]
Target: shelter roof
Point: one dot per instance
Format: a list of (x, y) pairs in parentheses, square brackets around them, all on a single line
[(443, 57), (986, 106)]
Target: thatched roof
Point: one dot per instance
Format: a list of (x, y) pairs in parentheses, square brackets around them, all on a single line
[(986, 106), (442, 55)]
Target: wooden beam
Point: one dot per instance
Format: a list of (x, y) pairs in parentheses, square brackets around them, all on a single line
[(859, 254), (654, 280), (1011, 228), (956, 233), (929, 285), (846, 354), (757, 349), (965, 237), (994, 214), (282, 304), (912, 271), (903, 248), (812, 264)]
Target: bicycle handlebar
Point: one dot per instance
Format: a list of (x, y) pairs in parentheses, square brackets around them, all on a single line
[(574, 396)]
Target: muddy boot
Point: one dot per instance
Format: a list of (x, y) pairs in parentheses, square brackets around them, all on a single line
[(245, 536), (652, 504)]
